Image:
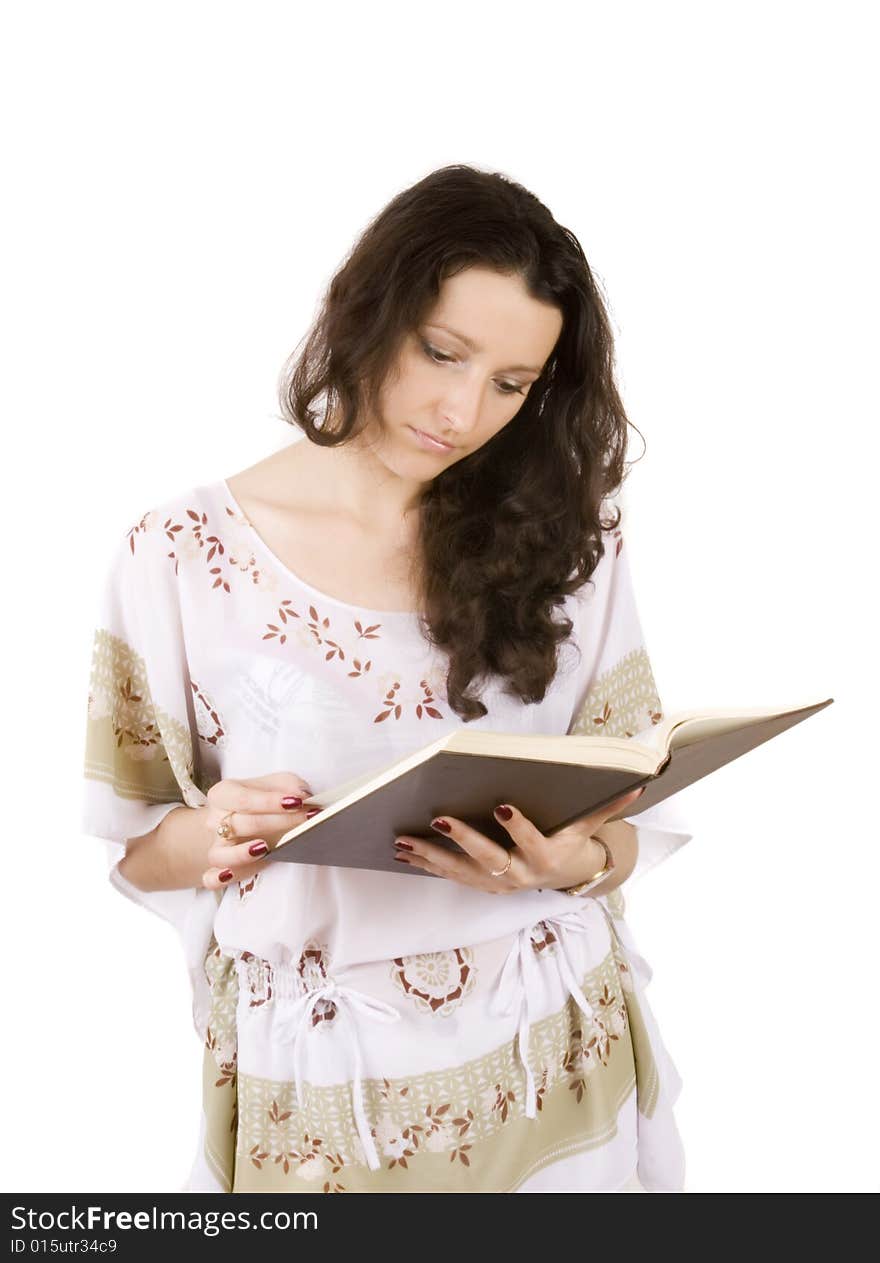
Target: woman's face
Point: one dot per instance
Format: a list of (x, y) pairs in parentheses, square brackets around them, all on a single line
[(465, 372)]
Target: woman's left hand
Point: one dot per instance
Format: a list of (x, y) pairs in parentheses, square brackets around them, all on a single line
[(567, 858)]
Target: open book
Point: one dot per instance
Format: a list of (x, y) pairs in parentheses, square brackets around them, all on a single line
[(552, 780)]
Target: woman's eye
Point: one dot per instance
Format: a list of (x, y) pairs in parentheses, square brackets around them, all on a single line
[(436, 355), (439, 358)]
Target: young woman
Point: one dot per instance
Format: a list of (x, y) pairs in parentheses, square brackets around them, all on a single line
[(393, 575)]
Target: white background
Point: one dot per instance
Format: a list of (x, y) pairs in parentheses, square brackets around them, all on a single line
[(182, 180)]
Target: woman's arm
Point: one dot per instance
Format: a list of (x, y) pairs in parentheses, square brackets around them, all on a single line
[(173, 856), (621, 839)]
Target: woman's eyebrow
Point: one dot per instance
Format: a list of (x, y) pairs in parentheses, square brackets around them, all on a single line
[(472, 346)]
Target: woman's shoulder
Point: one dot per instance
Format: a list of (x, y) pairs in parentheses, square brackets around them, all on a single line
[(204, 536), (174, 515), (181, 531), (601, 577)]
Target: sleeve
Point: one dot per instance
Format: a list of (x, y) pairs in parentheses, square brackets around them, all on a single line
[(616, 694), (141, 736)]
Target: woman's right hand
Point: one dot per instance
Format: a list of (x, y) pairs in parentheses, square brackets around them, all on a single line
[(260, 821)]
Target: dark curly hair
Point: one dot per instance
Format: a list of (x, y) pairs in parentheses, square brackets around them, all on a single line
[(509, 531)]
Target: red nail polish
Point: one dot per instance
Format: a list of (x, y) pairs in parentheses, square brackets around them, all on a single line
[(443, 825), (312, 811), (503, 812), (288, 803), (401, 859), (404, 846), (258, 848), (226, 874)]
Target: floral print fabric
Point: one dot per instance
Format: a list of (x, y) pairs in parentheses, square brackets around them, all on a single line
[(359, 1029)]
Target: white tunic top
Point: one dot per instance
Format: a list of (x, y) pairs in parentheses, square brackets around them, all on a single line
[(213, 660)]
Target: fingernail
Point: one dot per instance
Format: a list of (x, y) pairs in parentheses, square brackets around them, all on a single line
[(312, 811), (503, 812), (443, 825), (258, 848), (404, 846), (401, 859), (288, 803), (226, 874)]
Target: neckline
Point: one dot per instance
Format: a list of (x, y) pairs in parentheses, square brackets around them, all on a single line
[(411, 615)]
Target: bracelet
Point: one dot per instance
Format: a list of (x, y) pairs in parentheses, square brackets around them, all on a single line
[(584, 886)]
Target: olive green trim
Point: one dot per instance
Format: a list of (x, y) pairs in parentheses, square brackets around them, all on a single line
[(140, 750), (622, 701), (461, 1129)]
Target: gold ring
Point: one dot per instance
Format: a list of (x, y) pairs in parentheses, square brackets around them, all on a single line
[(223, 828), (503, 870)]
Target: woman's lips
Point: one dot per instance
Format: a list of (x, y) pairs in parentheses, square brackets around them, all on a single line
[(430, 444)]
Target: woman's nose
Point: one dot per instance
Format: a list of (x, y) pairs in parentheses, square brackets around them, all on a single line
[(462, 408)]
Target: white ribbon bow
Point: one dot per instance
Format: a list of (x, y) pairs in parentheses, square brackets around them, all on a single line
[(519, 969), (639, 968), (294, 1021)]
